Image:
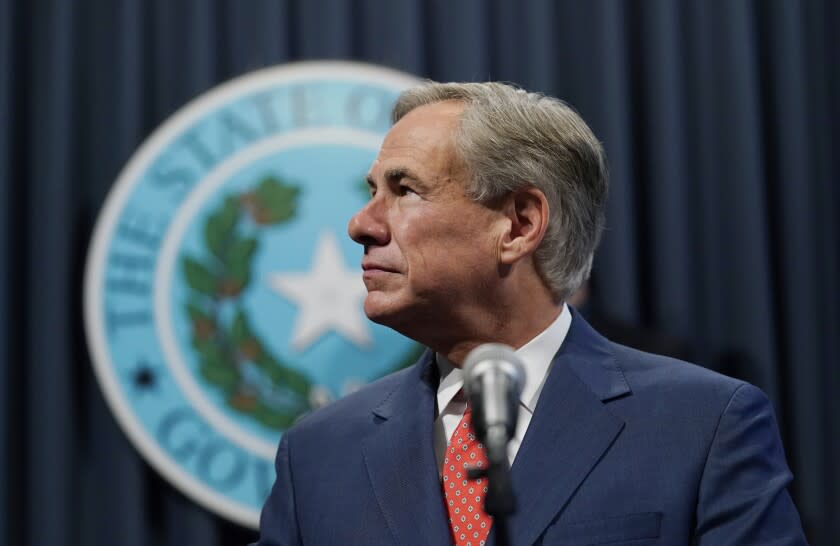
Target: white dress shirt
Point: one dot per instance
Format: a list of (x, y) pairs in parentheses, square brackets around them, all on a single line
[(536, 356)]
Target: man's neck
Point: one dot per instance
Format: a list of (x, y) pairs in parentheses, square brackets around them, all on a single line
[(515, 329)]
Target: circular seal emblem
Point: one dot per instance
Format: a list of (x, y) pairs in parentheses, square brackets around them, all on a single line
[(223, 299)]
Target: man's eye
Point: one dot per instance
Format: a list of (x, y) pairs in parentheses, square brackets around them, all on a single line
[(404, 190)]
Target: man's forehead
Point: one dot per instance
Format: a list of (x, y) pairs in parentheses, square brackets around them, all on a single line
[(423, 133), (443, 115)]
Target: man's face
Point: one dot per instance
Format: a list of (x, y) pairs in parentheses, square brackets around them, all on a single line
[(429, 249)]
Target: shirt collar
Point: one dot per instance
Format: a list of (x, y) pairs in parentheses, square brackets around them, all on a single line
[(536, 357)]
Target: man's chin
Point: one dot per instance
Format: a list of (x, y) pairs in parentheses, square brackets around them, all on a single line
[(384, 312), (380, 314), (406, 316)]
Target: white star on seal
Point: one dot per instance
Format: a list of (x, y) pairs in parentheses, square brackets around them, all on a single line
[(328, 297)]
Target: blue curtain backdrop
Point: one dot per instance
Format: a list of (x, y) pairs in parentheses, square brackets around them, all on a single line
[(722, 124)]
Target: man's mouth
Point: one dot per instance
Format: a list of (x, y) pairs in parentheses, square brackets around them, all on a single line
[(372, 269), (375, 266)]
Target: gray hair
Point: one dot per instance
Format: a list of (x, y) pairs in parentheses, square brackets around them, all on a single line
[(511, 139)]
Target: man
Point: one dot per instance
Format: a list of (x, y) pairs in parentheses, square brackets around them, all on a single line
[(486, 207)]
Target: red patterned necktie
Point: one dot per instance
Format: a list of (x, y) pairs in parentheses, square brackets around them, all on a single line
[(468, 522)]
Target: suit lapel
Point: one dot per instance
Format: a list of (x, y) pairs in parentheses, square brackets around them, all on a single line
[(569, 433), (401, 463)]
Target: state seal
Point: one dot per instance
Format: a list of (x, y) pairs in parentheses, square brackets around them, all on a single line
[(223, 299)]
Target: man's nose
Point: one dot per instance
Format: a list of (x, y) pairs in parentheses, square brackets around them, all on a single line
[(369, 226)]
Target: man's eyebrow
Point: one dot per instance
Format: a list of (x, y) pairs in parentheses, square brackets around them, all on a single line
[(396, 173)]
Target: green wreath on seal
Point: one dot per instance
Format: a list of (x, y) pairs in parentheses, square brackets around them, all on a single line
[(232, 357)]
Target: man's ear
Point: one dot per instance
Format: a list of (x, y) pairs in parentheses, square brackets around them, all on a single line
[(527, 211)]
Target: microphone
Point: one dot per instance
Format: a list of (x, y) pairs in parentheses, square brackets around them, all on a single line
[(493, 380)]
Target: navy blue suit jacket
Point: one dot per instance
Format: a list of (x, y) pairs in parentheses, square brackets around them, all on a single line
[(624, 448)]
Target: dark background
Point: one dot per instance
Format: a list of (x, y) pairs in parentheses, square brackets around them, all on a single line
[(721, 120)]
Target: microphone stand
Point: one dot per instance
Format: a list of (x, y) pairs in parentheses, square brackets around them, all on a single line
[(493, 380), (499, 501)]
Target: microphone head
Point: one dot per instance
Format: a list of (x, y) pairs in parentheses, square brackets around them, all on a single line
[(498, 357)]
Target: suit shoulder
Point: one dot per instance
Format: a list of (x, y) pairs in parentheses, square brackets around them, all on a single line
[(672, 376), (684, 400), (356, 405)]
